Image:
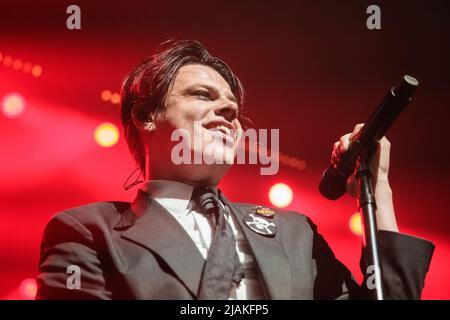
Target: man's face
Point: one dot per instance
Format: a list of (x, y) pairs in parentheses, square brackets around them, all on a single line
[(201, 103)]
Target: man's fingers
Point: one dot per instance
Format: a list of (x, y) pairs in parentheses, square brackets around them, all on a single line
[(335, 147), (341, 146), (382, 158), (385, 144), (356, 129), (379, 163), (344, 143)]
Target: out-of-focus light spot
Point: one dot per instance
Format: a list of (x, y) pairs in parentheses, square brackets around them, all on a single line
[(301, 165), (280, 195), (36, 70), (26, 67), (292, 162), (27, 289), (115, 98), (105, 95), (106, 135), (17, 64), (355, 224), (13, 105), (7, 61)]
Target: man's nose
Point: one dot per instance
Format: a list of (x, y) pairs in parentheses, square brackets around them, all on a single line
[(227, 110)]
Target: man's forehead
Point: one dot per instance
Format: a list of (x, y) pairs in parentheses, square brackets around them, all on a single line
[(196, 73)]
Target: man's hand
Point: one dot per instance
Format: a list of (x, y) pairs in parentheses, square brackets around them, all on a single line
[(379, 166)]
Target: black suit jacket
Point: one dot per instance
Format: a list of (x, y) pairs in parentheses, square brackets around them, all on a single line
[(123, 256)]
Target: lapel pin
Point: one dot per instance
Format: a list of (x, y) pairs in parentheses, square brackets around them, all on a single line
[(265, 212), (260, 225)]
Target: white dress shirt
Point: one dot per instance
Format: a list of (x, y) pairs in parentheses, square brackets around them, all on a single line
[(175, 198)]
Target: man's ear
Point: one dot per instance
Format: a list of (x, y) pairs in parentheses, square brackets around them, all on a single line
[(143, 120)]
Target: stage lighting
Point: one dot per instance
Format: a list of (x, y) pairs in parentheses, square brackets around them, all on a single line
[(17, 64), (7, 61), (26, 67), (13, 105), (105, 95), (106, 135), (27, 289), (280, 195), (36, 70), (292, 162), (115, 98), (355, 224)]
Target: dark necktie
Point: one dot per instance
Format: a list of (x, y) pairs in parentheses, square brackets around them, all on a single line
[(222, 266)]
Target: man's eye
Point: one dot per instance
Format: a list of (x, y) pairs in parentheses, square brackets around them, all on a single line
[(202, 94)]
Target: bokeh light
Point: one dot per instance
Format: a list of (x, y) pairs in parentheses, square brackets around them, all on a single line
[(115, 98), (355, 224), (27, 289), (12, 105), (105, 95), (106, 135), (7, 61), (26, 67), (280, 195), (17, 64), (36, 70)]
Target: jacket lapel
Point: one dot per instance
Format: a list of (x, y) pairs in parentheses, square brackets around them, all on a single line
[(159, 232), (269, 255)]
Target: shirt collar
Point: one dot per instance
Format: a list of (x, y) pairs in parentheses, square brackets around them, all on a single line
[(174, 196)]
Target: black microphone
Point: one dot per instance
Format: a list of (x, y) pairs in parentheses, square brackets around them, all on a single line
[(332, 184)]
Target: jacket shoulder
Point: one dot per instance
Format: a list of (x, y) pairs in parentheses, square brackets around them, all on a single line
[(93, 215)]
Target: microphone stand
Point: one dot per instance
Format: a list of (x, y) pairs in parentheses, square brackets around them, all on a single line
[(333, 182), (367, 207)]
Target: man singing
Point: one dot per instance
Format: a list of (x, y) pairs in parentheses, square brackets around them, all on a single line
[(181, 238)]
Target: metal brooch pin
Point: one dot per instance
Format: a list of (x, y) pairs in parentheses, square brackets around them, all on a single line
[(260, 225), (264, 212)]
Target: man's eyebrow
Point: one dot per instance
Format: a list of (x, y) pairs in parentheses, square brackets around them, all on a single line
[(211, 88)]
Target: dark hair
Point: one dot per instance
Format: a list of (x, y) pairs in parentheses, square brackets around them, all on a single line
[(146, 86)]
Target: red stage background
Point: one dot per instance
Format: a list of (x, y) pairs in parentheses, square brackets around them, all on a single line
[(310, 68)]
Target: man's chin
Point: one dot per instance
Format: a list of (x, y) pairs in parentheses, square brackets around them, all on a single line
[(204, 174), (221, 155)]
